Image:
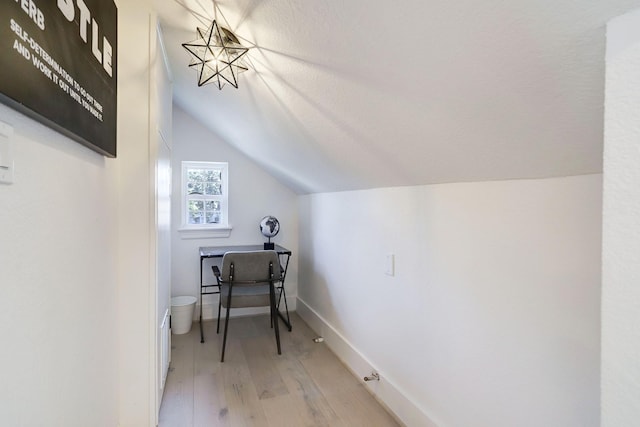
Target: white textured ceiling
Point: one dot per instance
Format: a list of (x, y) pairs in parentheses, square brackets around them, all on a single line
[(366, 93)]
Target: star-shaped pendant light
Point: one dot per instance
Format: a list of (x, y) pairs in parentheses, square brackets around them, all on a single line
[(217, 56)]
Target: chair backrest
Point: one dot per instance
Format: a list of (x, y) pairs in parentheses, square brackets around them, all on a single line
[(250, 266)]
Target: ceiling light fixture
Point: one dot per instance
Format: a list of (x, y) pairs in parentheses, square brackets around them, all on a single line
[(217, 56)]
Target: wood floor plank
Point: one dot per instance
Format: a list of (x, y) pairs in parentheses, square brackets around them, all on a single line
[(262, 357), (210, 404), (353, 404), (243, 405), (309, 400), (177, 402), (299, 343), (296, 411), (357, 407), (327, 371), (305, 386), (209, 396)]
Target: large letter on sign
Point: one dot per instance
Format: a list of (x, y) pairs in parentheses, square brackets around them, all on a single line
[(67, 9)]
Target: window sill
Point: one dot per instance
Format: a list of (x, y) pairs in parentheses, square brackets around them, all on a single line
[(205, 233)]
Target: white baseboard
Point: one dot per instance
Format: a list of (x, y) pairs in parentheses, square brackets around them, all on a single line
[(210, 309), (387, 393)]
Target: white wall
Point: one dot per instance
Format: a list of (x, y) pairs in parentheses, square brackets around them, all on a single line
[(621, 229), (492, 318), (253, 193), (58, 293), (76, 296), (75, 284), (137, 319)]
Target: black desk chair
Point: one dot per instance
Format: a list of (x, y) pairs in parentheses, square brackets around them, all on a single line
[(248, 280)]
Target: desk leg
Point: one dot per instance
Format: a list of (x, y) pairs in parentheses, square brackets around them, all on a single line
[(274, 320), (286, 321)]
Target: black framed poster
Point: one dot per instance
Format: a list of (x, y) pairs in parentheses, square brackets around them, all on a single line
[(58, 64)]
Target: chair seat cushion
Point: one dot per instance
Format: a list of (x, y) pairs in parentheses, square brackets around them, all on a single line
[(245, 296)]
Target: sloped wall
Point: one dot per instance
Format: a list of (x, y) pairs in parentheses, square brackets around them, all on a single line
[(621, 228), (493, 315)]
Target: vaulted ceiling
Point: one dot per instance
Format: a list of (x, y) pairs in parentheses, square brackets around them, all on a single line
[(357, 94)]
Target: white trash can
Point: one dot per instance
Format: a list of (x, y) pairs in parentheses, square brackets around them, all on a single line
[(182, 314)]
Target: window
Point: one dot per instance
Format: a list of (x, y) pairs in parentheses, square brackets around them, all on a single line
[(205, 204)]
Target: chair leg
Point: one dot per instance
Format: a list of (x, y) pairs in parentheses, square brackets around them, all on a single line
[(271, 317), (219, 305), (274, 315), (201, 331), (226, 326)]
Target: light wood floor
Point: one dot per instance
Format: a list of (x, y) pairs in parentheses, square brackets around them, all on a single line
[(305, 386)]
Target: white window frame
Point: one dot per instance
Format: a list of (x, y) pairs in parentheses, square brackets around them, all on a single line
[(195, 231)]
